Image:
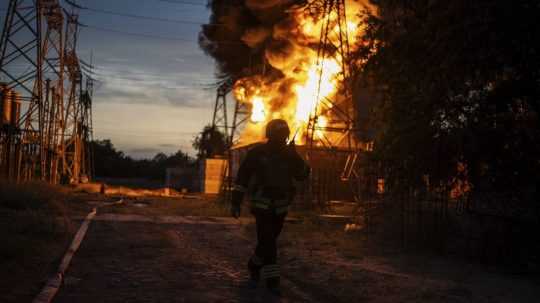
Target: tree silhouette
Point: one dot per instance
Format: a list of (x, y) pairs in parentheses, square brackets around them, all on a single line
[(210, 143)]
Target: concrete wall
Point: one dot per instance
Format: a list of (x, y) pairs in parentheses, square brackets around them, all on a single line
[(212, 172)]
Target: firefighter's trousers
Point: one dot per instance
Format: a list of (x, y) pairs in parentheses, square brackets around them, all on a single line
[(263, 263)]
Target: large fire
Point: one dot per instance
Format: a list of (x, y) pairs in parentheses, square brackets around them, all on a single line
[(306, 77)]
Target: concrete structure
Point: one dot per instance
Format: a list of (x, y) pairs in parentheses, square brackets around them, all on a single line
[(212, 173)]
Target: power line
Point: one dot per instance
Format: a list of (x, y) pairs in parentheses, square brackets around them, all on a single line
[(99, 28), (72, 3), (108, 12), (114, 127), (183, 2), (115, 13), (154, 134), (170, 87), (136, 34), (102, 70)]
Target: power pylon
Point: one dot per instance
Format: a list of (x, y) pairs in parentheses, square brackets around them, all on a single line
[(54, 106), (87, 131), (72, 143), (338, 131), (40, 68), (231, 130), (240, 117), (21, 68), (337, 136), (220, 119)]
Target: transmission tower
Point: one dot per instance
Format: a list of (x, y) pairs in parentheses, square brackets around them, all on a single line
[(337, 135), (240, 117), (87, 131), (231, 131), (53, 106), (42, 77), (21, 69), (87, 168), (220, 119), (72, 144), (338, 131)]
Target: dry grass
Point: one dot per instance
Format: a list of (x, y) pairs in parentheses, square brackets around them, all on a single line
[(162, 206), (35, 231)]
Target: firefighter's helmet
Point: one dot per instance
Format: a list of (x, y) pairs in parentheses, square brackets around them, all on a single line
[(277, 129)]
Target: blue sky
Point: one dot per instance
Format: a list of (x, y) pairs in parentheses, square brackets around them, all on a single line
[(153, 95)]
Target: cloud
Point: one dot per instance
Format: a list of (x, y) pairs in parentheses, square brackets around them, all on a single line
[(133, 127), (149, 87), (117, 60), (168, 145), (144, 150), (135, 85)]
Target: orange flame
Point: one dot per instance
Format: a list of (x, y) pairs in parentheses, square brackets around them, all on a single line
[(306, 78), (258, 113)]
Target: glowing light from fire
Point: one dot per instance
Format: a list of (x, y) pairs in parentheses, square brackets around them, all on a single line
[(258, 112), (306, 79), (309, 93), (322, 122)]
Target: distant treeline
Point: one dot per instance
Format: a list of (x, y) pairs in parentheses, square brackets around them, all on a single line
[(110, 162)]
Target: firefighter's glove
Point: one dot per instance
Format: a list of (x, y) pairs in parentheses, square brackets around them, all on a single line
[(236, 209)]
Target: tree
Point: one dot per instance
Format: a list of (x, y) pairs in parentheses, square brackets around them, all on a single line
[(112, 163), (460, 82), (210, 143)]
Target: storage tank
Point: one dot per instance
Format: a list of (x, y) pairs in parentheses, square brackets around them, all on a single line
[(5, 105), (15, 108)]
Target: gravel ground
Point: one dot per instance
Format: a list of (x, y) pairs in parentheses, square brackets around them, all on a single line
[(123, 261)]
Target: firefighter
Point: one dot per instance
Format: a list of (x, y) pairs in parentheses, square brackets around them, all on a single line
[(267, 174)]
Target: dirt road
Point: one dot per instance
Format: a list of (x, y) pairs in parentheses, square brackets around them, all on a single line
[(204, 261), (148, 262)]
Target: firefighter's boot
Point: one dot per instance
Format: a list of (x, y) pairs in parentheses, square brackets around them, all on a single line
[(270, 274), (254, 266), (273, 285)]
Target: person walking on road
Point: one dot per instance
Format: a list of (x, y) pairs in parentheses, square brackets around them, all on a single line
[(267, 174)]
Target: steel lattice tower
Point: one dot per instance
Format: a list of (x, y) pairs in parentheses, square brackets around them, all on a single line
[(72, 135), (231, 131), (21, 68), (340, 109), (338, 136), (220, 119), (54, 106), (40, 68), (86, 131)]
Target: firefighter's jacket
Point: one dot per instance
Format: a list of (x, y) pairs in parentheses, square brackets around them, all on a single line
[(267, 174)]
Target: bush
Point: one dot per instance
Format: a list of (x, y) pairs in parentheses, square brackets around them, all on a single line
[(30, 213), (32, 196)]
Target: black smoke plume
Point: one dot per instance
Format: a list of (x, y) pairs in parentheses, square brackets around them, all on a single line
[(239, 33)]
